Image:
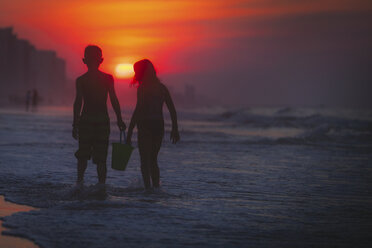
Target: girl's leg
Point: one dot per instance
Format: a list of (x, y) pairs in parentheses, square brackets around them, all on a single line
[(155, 173), (144, 147)]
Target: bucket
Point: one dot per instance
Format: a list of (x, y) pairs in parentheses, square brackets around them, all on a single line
[(121, 153)]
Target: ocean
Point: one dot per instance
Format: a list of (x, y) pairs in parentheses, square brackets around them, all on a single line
[(239, 177)]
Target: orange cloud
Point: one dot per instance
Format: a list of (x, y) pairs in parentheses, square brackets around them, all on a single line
[(130, 30)]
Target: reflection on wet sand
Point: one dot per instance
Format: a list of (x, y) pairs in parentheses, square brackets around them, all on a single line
[(8, 208)]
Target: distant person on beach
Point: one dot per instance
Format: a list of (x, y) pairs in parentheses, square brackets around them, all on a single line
[(35, 100), (91, 125), (148, 116), (28, 100)]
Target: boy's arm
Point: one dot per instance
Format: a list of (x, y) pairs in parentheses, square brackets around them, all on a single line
[(175, 137), (77, 108), (116, 106)]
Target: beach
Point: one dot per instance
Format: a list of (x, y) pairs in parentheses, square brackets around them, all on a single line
[(6, 209), (248, 177)]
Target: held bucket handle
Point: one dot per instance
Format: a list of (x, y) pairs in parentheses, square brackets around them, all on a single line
[(125, 136)]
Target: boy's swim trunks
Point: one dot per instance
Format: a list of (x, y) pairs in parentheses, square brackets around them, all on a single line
[(93, 141)]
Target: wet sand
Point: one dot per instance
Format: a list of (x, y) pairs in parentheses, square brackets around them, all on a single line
[(8, 208)]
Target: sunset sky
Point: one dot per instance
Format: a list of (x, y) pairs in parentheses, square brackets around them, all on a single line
[(253, 52)]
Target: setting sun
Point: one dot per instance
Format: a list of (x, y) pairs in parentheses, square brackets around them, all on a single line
[(124, 70)]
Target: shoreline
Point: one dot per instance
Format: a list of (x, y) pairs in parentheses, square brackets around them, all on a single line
[(8, 241)]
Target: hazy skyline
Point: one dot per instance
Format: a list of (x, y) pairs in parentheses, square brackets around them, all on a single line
[(237, 52)]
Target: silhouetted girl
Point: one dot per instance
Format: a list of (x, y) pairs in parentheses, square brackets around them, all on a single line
[(148, 116)]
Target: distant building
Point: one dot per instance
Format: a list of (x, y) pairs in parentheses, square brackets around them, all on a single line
[(23, 67)]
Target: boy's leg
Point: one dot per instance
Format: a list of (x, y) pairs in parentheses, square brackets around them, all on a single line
[(83, 154), (100, 134), (101, 172), (81, 167)]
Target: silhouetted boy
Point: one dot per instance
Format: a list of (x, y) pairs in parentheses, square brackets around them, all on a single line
[(91, 126)]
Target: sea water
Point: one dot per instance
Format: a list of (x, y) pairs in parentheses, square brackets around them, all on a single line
[(239, 177)]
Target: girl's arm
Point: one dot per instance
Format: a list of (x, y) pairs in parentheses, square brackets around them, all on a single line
[(133, 120), (175, 136)]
